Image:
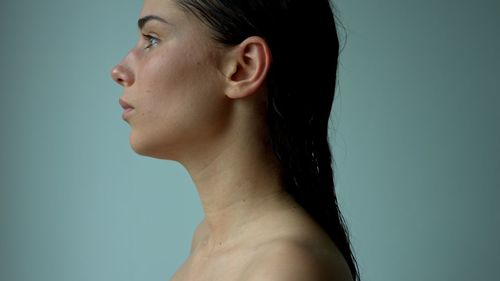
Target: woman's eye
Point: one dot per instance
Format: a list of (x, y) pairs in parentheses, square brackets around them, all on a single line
[(151, 41)]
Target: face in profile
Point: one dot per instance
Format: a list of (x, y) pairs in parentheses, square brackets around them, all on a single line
[(172, 81)]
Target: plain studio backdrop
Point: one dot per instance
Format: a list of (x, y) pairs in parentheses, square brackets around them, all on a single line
[(415, 133)]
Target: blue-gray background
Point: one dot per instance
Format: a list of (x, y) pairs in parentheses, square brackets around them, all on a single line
[(416, 140)]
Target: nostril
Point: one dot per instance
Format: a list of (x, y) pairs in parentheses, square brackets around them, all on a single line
[(115, 73), (121, 75), (120, 81)]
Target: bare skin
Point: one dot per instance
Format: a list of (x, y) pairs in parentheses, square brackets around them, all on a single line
[(202, 105), (284, 240)]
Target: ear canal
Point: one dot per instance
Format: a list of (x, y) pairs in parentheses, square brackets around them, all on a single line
[(238, 74), (249, 64)]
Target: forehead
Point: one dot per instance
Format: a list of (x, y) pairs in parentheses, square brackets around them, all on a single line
[(167, 9), (182, 24)]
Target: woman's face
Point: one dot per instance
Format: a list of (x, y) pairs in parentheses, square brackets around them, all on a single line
[(173, 81)]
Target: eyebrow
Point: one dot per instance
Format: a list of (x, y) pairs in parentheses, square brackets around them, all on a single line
[(142, 21)]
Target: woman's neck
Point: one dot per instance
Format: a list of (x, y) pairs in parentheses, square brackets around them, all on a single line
[(237, 186)]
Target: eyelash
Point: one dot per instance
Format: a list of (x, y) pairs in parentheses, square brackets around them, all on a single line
[(152, 41)]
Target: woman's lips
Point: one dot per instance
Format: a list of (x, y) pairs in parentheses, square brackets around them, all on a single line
[(127, 108)]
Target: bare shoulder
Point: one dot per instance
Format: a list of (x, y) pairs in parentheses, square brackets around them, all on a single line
[(292, 260)]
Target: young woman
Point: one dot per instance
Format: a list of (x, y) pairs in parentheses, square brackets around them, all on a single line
[(240, 93)]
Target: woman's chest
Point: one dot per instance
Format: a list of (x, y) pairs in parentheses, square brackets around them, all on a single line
[(227, 268)]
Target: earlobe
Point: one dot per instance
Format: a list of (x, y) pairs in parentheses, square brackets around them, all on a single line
[(247, 67)]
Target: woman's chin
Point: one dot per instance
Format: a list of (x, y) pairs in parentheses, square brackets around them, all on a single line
[(148, 149)]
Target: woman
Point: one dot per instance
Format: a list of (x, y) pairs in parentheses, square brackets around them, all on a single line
[(239, 93)]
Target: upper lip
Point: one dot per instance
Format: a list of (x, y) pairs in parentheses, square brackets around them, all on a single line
[(125, 104)]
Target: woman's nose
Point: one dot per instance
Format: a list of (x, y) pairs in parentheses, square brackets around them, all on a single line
[(122, 75)]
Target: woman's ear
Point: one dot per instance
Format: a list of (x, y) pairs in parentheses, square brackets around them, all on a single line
[(246, 67)]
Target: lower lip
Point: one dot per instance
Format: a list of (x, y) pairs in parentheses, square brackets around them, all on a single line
[(126, 113)]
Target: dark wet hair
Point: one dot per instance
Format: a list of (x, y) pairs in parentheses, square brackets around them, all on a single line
[(302, 36)]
